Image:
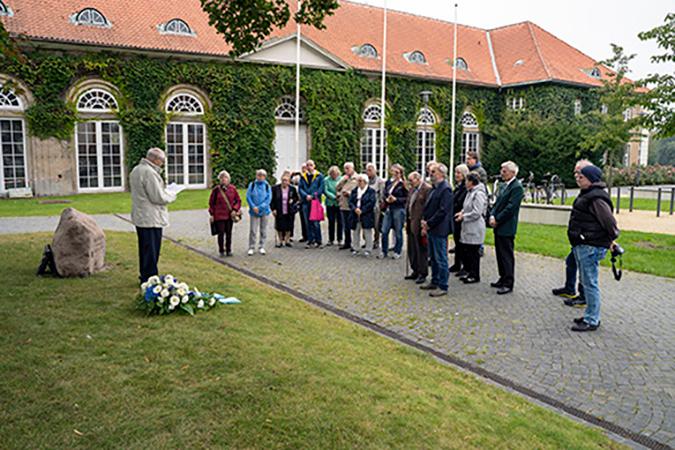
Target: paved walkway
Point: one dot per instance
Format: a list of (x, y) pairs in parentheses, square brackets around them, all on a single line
[(623, 373)]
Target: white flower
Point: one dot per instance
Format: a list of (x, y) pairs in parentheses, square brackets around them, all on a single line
[(174, 301), (185, 299), (171, 307), (212, 302), (165, 293), (184, 286), (200, 304), (157, 289), (169, 279), (160, 300), (153, 279), (181, 292), (144, 286)]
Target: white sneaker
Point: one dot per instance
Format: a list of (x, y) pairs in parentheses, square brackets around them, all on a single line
[(366, 254), (396, 256), (262, 251), (250, 252)]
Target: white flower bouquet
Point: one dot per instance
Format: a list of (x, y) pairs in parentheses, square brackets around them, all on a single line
[(165, 294)]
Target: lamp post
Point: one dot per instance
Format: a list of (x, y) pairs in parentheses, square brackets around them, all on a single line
[(425, 96), (454, 99)]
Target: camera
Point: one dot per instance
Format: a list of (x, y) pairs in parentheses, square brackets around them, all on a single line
[(617, 251)]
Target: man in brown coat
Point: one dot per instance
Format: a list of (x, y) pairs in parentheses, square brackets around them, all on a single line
[(418, 254), (344, 189)]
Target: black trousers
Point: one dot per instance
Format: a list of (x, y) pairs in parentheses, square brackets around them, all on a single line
[(303, 225), (334, 223), (149, 245), (471, 259), (505, 260), (224, 228), (346, 227), (418, 255), (456, 233)]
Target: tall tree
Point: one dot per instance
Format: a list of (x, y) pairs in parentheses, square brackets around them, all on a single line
[(245, 24), (660, 100)]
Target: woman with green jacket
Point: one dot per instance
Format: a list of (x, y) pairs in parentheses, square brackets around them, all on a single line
[(332, 206)]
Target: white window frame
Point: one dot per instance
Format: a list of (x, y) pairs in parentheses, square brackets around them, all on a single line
[(380, 158), (185, 143), (25, 159), (516, 103), (466, 140), (184, 113), (99, 158), (577, 107), (115, 105), (423, 150)]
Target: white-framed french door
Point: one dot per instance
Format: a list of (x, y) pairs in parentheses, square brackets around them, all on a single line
[(426, 149), (373, 150), (186, 154), (13, 165), (470, 143), (99, 156)]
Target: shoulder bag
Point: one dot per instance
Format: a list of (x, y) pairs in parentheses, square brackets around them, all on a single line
[(234, 215)]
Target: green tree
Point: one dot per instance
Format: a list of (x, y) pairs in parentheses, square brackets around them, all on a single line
[(245, 24), (659, 101)]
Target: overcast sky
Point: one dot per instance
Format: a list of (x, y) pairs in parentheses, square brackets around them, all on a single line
[(589, 25)]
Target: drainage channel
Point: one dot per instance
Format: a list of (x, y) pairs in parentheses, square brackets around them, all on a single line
[(613, 428)]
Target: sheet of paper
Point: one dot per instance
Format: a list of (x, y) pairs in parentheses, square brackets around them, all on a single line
[(174, 189)]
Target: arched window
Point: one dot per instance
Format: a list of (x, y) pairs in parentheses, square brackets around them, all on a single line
[(12, 141), (470, 135), (366, 51), (286, 109), (5, 10), (99, 143), (461, 64), (96, 100), (92, 17), (186, 141), (373, 142), (426, 138), (416, 57), (184, 104), (176, 26)]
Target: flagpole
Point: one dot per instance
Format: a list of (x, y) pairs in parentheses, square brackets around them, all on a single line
[(297, 93), (383, 140), (454, 102)]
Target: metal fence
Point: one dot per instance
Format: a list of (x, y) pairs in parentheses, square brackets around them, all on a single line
[(664, 197)]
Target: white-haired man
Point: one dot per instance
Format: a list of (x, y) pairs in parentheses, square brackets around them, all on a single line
[(149, 214), (344, 190), (377, 183), (504, 221)]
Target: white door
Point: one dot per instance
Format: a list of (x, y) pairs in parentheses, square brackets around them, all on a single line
[(284, 147)]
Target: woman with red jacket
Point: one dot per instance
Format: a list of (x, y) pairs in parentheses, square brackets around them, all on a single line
[(224, 204)]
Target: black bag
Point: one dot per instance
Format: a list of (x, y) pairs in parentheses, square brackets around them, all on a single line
[(47, 265), (214, 228)]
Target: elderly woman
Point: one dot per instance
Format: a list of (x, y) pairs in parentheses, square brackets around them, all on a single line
[(362, 206), (259, 197), (393, 205), (333, 206), (472, 217), (224, 205), (461, 171), (285, 203)]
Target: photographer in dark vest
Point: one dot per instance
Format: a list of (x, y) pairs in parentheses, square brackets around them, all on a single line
[(592, 230)]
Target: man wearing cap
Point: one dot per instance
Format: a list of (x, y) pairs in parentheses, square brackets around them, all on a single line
[(592, 230)]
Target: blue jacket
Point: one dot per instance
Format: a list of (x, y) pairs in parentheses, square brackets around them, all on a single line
[(259, 194), (315, 188), (367, 217), (438, 211)]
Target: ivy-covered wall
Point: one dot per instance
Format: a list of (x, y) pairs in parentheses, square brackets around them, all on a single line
[(243, 98)]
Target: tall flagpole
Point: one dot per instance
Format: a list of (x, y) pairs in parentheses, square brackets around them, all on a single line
[(383, 104), (451, 169), (297, 93)]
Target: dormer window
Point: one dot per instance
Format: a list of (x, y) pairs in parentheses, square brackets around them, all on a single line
[(176, 26), (416, 57), (461, 64), (5, 11), (595, 72), (90, 17), (365, 51), (520, 62)]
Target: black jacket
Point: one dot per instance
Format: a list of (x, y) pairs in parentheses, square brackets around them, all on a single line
[(438, 210), (277, 199), (400, 192), (585, 226)]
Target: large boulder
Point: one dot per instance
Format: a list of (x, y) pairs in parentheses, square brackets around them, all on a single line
[(78, 245)]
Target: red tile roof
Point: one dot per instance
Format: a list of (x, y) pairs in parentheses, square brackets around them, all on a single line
[(135, 26)]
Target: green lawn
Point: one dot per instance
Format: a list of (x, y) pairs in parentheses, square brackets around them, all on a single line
[(645, 252), (117, 202), (81, 368), (646, 204)]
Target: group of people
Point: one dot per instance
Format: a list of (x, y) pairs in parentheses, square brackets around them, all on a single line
[(363, 207)]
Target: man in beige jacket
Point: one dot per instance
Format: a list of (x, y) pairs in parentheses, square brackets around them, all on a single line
[(344, 189), (149, 214)]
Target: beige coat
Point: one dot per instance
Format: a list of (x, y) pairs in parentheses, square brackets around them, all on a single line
[(345, 185), (149, 196), (414, 211)]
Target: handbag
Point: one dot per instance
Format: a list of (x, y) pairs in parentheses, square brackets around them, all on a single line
[(214, 228), (234, 215), (316, 213)]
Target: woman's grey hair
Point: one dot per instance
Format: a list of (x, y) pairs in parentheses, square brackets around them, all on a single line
[(334, 169), (511, 166), (155, 153), (224, 173), (463, 169), (262, 172), (348, 164), (362, 177)]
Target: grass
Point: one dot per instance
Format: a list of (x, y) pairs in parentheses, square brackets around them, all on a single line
[(81, 368), (109, 203), (651, 253), (644, 204)]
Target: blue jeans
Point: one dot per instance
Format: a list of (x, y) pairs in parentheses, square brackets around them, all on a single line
[(588, 259), (438, 253), (571, 274), (313, 227), (393, 218)]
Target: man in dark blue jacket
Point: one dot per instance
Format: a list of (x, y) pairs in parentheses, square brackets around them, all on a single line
[(311, 187), (437, 226)]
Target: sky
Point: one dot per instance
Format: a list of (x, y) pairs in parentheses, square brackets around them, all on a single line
[(589, 25)]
